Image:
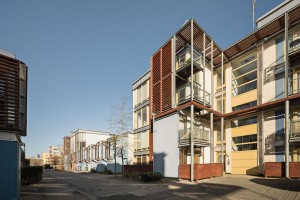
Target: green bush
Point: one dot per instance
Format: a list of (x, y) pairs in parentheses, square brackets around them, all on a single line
[(150, 176), (107, 171), (31, 175), (132, 175), (93, 170)]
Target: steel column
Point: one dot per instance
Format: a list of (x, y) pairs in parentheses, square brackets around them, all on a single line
[(212, 99), (287, 105), (203, 59), (192, 98)]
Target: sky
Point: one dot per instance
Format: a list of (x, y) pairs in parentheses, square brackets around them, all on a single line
[(83, 56)]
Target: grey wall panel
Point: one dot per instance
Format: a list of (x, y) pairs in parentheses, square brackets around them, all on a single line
[(165, 149)]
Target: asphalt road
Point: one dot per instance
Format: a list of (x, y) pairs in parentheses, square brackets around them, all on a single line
[(64, 185)]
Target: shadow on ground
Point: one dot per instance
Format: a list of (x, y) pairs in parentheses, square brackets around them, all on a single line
[(283, 184)]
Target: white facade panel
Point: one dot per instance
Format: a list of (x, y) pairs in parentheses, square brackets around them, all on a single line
[(165, 148)]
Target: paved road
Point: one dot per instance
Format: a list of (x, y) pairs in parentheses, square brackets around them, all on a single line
[(63, 185)]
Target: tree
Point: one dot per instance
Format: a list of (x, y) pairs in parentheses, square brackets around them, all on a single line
[(120, 121), (55, 160)]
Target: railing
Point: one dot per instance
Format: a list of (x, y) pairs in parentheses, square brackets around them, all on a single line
[(294, 86), (183, 62), (295, 129), (184, 94), (200, 136), (294, 43)]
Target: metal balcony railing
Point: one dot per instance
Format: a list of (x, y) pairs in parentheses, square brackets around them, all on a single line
[(184, 94), (201, 137), (294, 43), (294, 86), (183, 61), (295, 129)]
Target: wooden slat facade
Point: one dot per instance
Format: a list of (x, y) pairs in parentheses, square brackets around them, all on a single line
[(13, 95)]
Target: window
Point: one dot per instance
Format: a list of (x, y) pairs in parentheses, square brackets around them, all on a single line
[(142, 93), (141, 141), (142, 117), (244, 106), (243, 122), (244, 74), (246, 142)]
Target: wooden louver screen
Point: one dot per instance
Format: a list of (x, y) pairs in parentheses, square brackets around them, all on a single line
[(9, 94), (13, 95), (161, 78)]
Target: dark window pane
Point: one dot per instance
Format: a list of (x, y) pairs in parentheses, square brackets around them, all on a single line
[(245, 147), (246, 138), (253, 146), (253, 138)]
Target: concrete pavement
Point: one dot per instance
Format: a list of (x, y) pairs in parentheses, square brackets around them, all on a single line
[(63, 185)]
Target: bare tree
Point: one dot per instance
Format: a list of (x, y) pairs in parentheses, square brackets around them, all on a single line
[(120, 121)]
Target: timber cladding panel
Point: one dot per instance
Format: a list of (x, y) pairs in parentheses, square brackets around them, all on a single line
[(137, 168), (9, 93), (161, 79), (274, 169), (201, 171), (277, 169), (13, 95)]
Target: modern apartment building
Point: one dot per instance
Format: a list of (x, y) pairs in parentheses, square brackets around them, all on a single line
[(66, 155), (13, 122), (237, 106), (141, 90), (56, 157), (83, 145)]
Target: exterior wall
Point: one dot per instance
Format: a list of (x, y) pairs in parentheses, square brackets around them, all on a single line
[(10, 171), (228, 147), (269, 136), (269, 57), (244, 98), (228, 75), (166, 155)]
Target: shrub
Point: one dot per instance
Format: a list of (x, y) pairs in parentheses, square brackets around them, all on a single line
[(132, 175), (93, 170), (150, 176), (31, 175), (107, 171)]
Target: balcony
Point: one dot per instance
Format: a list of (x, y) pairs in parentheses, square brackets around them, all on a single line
[(295, 130), (201, 137), (183, 62), (184, 94), (294, 44), (294, 86)]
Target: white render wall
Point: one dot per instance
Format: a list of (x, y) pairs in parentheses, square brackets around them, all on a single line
[(165, 146), (269, 57)]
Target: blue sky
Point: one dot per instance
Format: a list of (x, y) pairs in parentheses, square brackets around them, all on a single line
[(83, 56)]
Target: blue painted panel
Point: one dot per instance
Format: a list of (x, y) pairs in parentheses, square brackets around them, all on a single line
[(10, 170), (279, 136)]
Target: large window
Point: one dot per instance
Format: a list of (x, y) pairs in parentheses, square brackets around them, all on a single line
[(244, 106), (142, 141), (142, 117), (244, 74), (243, 122), (245, 143), (142, 93)]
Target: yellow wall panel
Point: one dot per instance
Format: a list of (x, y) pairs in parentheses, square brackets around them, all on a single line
[(244, 162), (244, 130), (244, 98)]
